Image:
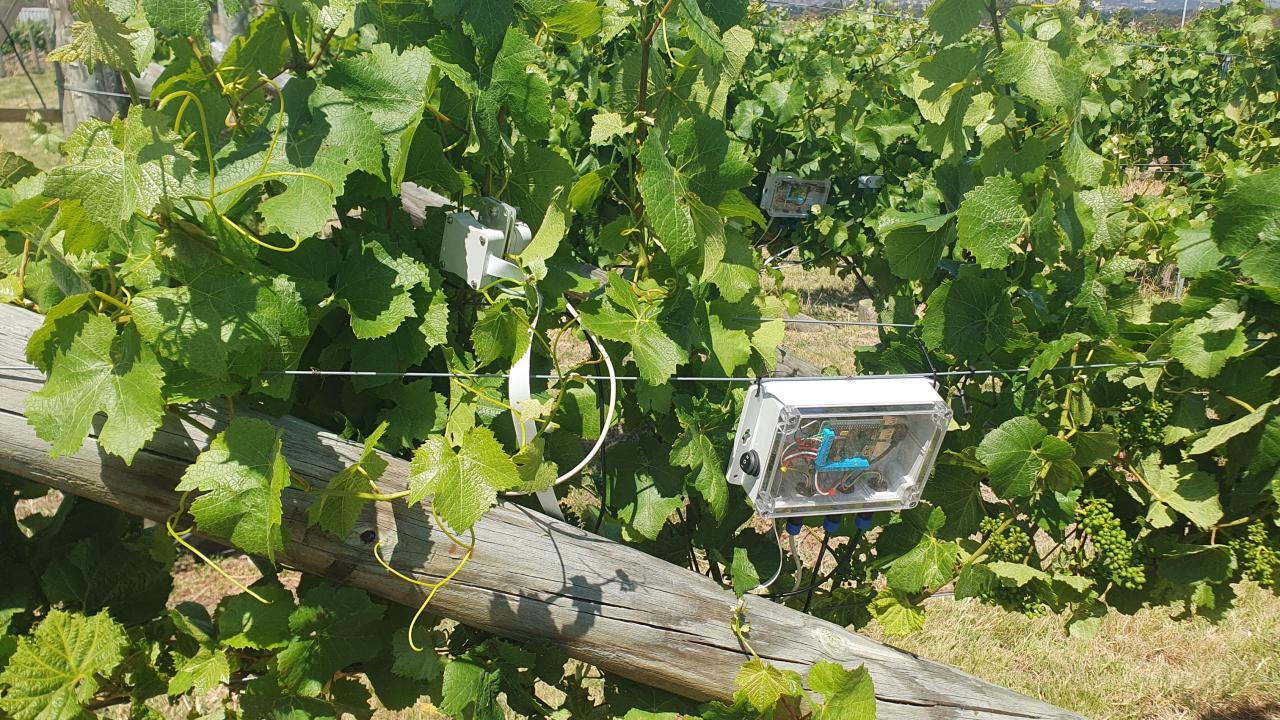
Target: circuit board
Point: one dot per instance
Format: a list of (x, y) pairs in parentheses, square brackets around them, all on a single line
[(834, 456)]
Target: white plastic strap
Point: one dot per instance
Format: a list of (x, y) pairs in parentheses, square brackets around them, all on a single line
[(518, 391)]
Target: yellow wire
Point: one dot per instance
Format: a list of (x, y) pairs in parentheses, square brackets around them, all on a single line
[(254, 239), (204, 127), (435, 586), (274, 173), (431, 595), (177, 536)]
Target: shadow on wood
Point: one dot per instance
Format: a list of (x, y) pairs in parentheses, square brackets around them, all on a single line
[(530, 577)]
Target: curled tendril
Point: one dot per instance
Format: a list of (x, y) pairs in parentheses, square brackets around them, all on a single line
[(189, 98), (469, 547)]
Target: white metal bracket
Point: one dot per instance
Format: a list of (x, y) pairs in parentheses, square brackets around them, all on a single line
[(475, 248)]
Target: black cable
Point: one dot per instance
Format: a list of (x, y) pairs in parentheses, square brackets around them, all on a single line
[(840, 563), (817, 570), (601, 456)]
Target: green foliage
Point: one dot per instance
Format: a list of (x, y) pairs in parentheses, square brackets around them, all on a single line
[(216, 241), (55, 671)]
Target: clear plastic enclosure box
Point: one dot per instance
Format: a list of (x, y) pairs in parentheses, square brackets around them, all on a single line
[(824, 446), (786, 196)]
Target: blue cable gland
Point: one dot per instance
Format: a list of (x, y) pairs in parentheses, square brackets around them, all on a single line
[(830, 524), (793, 527), (823, 462), (862, 521)]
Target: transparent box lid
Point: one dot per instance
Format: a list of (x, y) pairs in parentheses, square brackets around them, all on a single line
[(850, 459)]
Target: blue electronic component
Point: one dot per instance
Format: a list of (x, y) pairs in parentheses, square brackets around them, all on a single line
[(823, 462)]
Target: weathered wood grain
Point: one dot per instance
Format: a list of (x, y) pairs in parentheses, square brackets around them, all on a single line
[(531, 577)]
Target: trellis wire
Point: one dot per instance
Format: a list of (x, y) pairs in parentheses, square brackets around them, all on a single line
[(106, 93), (976, 372), (835, 9)]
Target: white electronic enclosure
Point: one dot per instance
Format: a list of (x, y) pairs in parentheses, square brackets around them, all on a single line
[(787, 196), (825, 446), (475, 246)]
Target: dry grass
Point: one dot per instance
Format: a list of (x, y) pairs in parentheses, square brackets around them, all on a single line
[(825, 296), (16, 92), (1147, 666)]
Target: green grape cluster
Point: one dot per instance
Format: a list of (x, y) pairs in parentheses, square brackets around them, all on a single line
[(1112, 547), (1142, 423), (1258, 560), (1009, 545)]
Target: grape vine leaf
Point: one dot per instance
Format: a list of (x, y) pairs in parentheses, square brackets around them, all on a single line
[(968, 316), (1204, 345), (54, 672), (469, 690), (1083, 164), (665, 190), (1197, 254), (849, 694), (14, 167), (418, 411), (200, 673), (991, 220), (184, 17), (338, 508), (219, 319), (1187, 565), (1016, 452), (647, 490), (896, 613), (245, 622), (1219, 434), (953, 18), (700, 29), (712, 162), (517, 89), (623, 316), (411, 664), (264, 698), (1053, 352), (392, 87), (93, 368), (928, 563), (483, 20), (1040, 72), (374, 286), (123, 167), (1185, 489), (102, 573), (100, 38), (914, 242), (464, 483), (693, 449), (330, 629), (501, 332), (241, 475), (1247, 226), (606, 126), (957, 489), (574, 20), (763, 685)]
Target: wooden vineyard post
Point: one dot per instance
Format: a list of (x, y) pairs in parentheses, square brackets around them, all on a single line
[(83, 94), (530, 576)]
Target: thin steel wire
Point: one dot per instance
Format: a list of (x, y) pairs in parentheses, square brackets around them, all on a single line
[(976, 372), (855, 323), (833, 9), (106, 93)]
